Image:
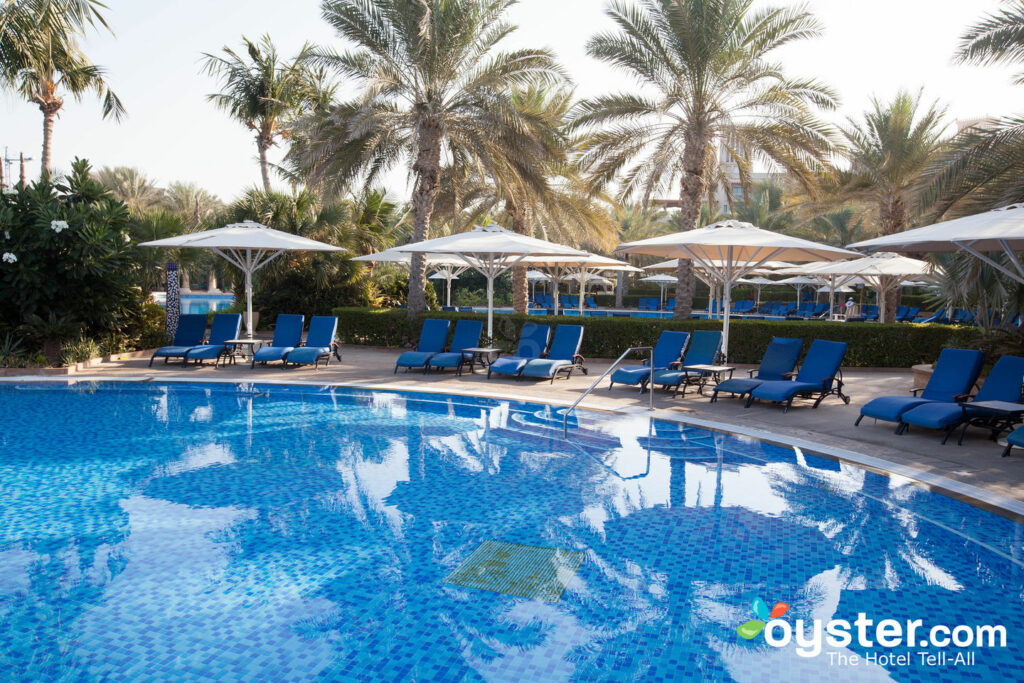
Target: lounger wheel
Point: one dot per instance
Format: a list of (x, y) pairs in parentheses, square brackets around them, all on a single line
[(846, 400)]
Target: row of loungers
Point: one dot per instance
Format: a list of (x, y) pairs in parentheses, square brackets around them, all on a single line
[(287, 347), (533, 357), (675, 357)]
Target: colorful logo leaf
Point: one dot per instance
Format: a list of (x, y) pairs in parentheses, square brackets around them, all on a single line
[(779, 609), (760, 608), (751, 629)]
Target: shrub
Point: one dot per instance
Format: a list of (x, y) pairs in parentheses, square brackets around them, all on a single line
[(78, 350), (871, 345)]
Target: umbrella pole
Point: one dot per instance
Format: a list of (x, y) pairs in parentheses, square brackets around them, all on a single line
[(583, 289), (448, 297), (248, 292), (726, 302), (490, 301)]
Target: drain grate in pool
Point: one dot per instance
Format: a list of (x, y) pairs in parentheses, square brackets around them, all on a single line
[(525, 571)]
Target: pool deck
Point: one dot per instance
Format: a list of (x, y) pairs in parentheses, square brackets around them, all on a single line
[(976, 463)]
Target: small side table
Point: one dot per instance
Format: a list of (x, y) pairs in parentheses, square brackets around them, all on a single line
[(1003, 416), (714, 372), (238, 348), (482, 355)]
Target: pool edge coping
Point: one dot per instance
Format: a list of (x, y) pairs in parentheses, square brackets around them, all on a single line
[(991, 501)]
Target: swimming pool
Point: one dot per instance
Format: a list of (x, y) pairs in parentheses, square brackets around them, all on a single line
[(201, 303), (226, 532)]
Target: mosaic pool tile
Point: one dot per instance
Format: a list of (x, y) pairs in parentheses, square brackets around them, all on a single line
[(521, 570)]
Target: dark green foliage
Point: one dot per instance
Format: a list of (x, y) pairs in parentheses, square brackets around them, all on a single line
[(83, 279), (871, 345)]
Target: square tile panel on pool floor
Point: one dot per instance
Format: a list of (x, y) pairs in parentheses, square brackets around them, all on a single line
[(525, 571)]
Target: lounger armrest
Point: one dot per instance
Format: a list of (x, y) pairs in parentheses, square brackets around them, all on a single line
[(915, 391), (838, 380), (790, 375), (963, 398), (675, 365), (578, 359), (752, 372)]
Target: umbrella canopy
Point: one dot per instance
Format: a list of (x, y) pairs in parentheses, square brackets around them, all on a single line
[(446, 267), (740, 247), (980, 234), (247, 245), (491, 250), (537, 275), (883, 272), (559, 265), (842, 289)]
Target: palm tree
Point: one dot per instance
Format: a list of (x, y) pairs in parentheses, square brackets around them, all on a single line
[(192, 202), (435, 87), (633, 223), (41, 59), (838, 228), (714, 86), (131, 186), (264, 92)]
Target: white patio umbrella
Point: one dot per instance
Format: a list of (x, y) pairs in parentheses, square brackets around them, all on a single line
[(663, 282), (999, 230), (672, 265), (559, 267), (759, 282), (798, 282), (445, 267), (247, 245), (739, 247), (533, 277), (883, 272), (491, 250)]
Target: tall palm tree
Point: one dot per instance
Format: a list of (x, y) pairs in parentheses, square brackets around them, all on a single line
[(707, 64), (264, 92), (131, 186), (192, 202), (982, 168), (635, 222), (838, 227), (40, 58), (435, 87)]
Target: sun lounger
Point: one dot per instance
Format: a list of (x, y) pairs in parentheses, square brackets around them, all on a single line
[(562, 358), (954, 375), (1003, 384), (1014, 438), (819, 376), (590, 303), (667, 350), (319, 343), (704, 349), (533, 340), (191, 328), (287, 335), (467, 336), (225, 326), (433, 337), (779, 360)]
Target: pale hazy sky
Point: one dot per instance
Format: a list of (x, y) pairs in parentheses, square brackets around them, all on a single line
[(870, 47)]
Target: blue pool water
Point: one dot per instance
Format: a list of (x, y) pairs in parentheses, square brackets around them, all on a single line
[(221, 532), (203, 303)]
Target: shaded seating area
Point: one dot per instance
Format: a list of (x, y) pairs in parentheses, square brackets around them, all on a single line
[(1002, 386), (668, 349), (562, 358), (190, 332), (778, 361), (467, 336), (704, 350), (955, 373), (533, 341), (287, 336), (225, 327), (433, 337), (820, 375), (320, 343)]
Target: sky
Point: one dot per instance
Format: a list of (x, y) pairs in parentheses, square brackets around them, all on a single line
[(869, 48)]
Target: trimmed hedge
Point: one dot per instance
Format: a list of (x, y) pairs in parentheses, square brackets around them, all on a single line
[(871, 345)]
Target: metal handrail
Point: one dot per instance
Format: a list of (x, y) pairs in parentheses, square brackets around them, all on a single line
[(650, 386)]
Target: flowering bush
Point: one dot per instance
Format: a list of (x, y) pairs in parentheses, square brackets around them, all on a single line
[(65, 258)]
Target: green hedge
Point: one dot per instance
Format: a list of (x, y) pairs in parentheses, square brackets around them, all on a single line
[(871, 345)]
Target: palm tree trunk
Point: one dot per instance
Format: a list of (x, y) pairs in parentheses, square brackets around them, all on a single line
[(427, 170), (621, 289), (520, 286), (49, 110), (262, 144), (693, 187), (892, 217)]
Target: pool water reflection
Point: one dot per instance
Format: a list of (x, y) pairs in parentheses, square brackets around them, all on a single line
[(192, 532)]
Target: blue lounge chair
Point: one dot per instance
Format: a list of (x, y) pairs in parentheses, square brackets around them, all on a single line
[(1002, 384), (467, 336), (703, 350), (590, 302), (819, 376), (225, 326), (667, 350), (191, 328), (319, 343), (533, 340), (564, 301), (954, 375), (1014, 438), (779, 360), (287, 335), (433, 337), (670, 305), (563, 356)]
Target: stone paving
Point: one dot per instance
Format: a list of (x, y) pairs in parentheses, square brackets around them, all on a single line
[(977, 462)]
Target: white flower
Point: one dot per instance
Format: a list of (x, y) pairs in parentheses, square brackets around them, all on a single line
[(58, 226), (9, 257), (127, 238), (7, 234), (10, 190)]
